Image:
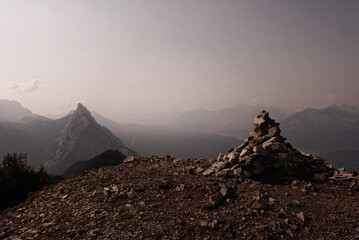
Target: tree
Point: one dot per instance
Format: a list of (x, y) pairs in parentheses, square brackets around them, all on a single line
[(17, 180)]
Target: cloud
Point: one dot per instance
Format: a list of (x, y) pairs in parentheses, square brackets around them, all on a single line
[(25, 87)]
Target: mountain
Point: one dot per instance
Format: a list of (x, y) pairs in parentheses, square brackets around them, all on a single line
[(232, 121), (57, 144), (81, 139), (196, 133), (12, 111), (107, 158), (348, 159), (328, 129), (159, 140)]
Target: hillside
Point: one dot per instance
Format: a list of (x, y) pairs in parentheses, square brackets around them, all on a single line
[(232, 197), (57, 144), (327, 129), (107, 158), (158, 198), (12, 111)]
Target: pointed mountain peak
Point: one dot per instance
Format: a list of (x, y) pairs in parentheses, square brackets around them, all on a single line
[(82, 113), (81, 107)]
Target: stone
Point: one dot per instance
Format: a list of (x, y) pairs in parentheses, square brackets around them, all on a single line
[(273, 131), (114, 188), (279, 147), (260, 204), (224, 191), (215, 199), (319, 178), (214, 224), (258, 123), (258, 166), (232, 158), (301, 217), (245, 152), (341, 170), (203, 224), (106, 192), (208, 172), (260, 150), (166, 184), (218, 166)]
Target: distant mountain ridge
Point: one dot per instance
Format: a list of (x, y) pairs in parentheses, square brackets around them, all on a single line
[(326, 129), (12, 111), (57, 144)]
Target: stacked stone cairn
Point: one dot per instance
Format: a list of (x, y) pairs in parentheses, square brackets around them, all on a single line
[(266, 156)]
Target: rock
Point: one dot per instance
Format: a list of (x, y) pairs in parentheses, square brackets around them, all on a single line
[(214, 224), (258, 123), (279, 147), (260, 150), (216, 199), (180, 188), (245, 152), (258, 166), (208, 172), (166, 184), (129, 159), (319, 178), (301, 217), (341, 170), (232, 158), (273, 131), (107, 192), (114, 188), (203, 224), (224, 191), (218, 166)]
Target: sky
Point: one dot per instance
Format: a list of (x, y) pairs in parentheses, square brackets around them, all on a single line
[(121, 57)]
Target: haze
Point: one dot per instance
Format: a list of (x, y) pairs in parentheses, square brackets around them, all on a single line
[(121, 57)]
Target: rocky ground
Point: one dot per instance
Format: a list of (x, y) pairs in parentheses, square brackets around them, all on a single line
[(262, 189), (168, 198)]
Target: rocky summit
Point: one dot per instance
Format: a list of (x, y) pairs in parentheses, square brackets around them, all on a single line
[(266, 156), (232, 197)]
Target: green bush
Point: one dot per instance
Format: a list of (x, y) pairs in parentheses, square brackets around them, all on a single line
[(17, 180)]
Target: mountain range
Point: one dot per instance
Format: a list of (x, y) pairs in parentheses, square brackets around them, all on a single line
[(57, 144), (80, 134)]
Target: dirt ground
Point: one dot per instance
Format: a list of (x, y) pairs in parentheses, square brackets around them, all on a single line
[(169, 198)]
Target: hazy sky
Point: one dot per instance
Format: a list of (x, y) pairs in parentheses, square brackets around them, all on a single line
[(119, 57)]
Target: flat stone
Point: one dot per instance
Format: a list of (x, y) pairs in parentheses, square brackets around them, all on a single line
[(301, 217), (208, 172), (245, 152), (260, 150)]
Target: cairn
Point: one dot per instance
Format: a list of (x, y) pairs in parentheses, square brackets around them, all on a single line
[(266, 156)]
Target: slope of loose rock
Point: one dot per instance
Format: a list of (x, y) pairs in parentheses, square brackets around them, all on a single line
[(168, 198)]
